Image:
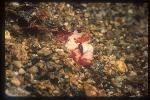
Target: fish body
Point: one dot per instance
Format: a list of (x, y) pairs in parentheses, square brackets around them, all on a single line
[(80, 49)]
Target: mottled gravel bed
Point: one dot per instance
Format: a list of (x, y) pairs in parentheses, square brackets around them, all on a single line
[(36, 65)]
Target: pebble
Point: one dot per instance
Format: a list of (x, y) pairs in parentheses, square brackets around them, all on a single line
[(66, 76), (74, 81), (44, 51), (103, 30), (130, 11), (118, 80), (121, 66), (145, 53), (50, 67), (15, 4), (15, 81), (18, 64), (33, 69), (52, 75), (57, 61), (68, 5), (9, 73), (86, 14), (21, 71), (60, 51), (55, 58), (56, 92), (7, 35), (132, 73), (90, 81), (66, 24), (16, 73), (84, 5), (13, 91), (90, 90), (41, 64)]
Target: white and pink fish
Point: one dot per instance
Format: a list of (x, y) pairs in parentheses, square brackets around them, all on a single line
[(78, 46)]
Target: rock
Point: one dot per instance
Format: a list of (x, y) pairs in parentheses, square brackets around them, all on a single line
[(103, 30), (66, 76), (74, 80), (13, 91), (7, 35), (44, 51), (92, 27), (56, 92), (145, 40), (40, 64), (15, 81), (130, 11), (145, 53), (16, 73), (86, 14), (131, 57), (60, 51), (9, 73), (90, 90), (52, 75), (21, 71), (33, 70), (15, 4), (132, 73), (118, 80), (68, 5), (121, 66), (66, 24), (90, 81), (18, 64)]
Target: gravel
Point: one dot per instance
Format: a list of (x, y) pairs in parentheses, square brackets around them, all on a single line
[(38, 65)]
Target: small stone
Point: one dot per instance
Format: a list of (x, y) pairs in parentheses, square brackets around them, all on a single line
[(18, 64), (86, 14), (51, 67), (130, 11), (103, 30), (132, 73), (84, 5), (33, 70), (68, 5), (9, 73), (40, 64), (66, 76), (16, 82), (74, 81), (13, 91), (145, 53), (145, 39), (52, 75), (15, 4), (66, 24), (90, 81), (21, 71), (121, 66), (16, 73), (44, 51), (116, 81), (90, 90), (7, 35), (92, 27), (55, 58), (60, 51), (56, 92)]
